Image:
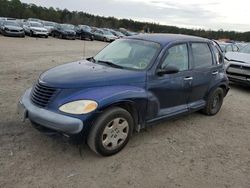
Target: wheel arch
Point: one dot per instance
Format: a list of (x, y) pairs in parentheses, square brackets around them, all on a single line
[(131, 107)]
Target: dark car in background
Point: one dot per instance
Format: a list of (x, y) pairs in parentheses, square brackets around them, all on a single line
[(131, 84), (11, 28), (238, 66), (64, 31), (104, 35), (84, 32)]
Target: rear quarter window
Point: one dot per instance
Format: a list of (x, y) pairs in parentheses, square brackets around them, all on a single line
[(202, 56)]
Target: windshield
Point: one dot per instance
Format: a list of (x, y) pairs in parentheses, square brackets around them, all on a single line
[(245, 49), (36, 25), (68, 27), (85, 27), (49, 24), (129, 53), (107, 32), (11, 23)]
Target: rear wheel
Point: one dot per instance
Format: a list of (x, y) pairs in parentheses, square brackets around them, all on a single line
[(104, 39), (214, 102), (31, 33), (111, 131)]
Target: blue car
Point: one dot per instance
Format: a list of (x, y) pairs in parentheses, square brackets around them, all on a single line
[(132, 83)]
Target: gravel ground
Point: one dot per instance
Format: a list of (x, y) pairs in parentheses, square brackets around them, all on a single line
[(193, 151)]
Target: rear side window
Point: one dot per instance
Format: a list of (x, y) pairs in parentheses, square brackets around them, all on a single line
[(218, 55), (202, 56)]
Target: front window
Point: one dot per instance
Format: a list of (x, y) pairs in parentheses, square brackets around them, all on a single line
[(129, 53), (176, 56)]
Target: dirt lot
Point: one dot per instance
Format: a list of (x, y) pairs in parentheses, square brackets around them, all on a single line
[(194, 151)]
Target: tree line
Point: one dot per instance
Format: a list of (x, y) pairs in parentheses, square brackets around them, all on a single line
[(17, 9)]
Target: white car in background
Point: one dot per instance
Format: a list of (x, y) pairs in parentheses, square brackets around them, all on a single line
[(238, 65), (50, 26), (32, 28)]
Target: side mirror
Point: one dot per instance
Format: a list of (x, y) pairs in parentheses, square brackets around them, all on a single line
[(168, 70)]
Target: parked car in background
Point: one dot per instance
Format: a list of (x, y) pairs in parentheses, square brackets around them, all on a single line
[(132, 83), (127, 33), (117, 33), (34, 20), (84, 32), (228, 47), (11, 28), (241, 45), (238, 66), (104, 35), (64, 31), (32, 28), (50, 26)]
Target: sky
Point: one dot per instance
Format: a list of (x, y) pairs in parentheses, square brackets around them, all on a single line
[(205, 14)]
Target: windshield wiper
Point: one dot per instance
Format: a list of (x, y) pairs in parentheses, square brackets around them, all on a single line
[(110, 64), (91, 59)]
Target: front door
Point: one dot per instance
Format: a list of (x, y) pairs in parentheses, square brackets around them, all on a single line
[(171, 91)]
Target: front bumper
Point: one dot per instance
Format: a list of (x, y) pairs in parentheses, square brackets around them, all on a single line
[(40, 33), (12, 33), (239, 79), (46, 118)]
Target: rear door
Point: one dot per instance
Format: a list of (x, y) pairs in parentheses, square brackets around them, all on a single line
[(203, 71)]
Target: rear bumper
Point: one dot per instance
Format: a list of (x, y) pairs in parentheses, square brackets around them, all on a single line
[(46, 118)]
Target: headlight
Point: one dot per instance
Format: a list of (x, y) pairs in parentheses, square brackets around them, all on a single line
[(226, 62), (79, 107)]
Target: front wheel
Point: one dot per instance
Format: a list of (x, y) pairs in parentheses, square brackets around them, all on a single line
[(214, 102), (111, 131)]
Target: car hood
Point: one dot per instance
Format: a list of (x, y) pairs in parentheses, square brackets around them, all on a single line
[(13, 27), (237, 56), (85, 74), (39, 28)]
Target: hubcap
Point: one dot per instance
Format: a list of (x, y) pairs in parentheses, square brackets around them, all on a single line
[(216, 101), (115, 133)]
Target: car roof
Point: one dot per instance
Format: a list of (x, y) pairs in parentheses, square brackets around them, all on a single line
[(165, 39)]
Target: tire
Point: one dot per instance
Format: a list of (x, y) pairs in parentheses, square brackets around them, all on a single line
[(31, 33), (106, 137), (214, 102), (104, 39), (46, 36), (53, 35), (61, 36)]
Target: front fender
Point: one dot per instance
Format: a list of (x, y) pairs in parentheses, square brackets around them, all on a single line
[(107, 96)]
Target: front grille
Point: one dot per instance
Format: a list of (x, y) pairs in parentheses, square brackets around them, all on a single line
[(239, 70), (41, 94), (14, 30)]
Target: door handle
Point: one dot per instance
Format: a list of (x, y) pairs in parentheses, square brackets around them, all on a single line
[(215, 72), (188, 78)]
